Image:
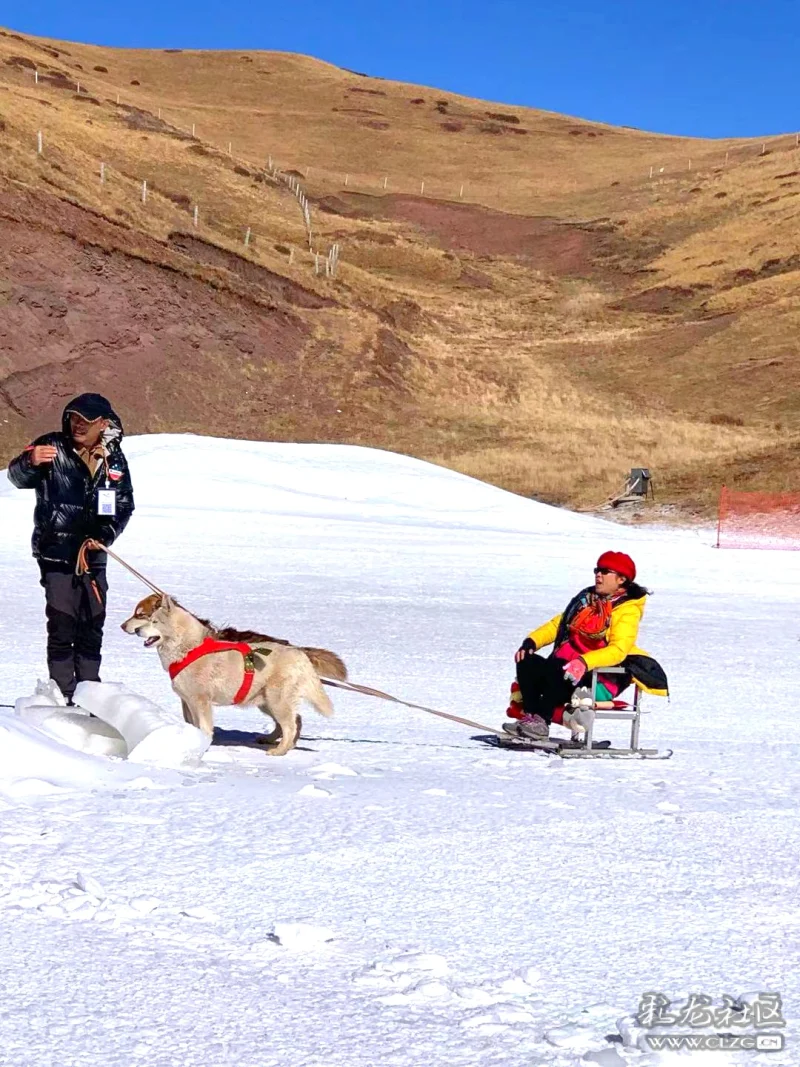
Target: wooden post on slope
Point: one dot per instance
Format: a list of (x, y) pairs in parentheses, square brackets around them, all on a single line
[(36, 77), (196, 216), (39, 145), (102, 173), (144, 192), (461, 193), (247, 237)]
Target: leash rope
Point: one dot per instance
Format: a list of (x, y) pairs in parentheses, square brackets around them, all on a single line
[(82, 566), (352, 687)]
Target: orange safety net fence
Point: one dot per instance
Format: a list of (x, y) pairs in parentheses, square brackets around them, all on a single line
[(758, 520)]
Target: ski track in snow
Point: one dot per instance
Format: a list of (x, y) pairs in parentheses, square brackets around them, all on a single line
[(394, 891)]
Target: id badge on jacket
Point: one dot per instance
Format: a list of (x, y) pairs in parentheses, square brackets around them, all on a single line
[(107, 502)]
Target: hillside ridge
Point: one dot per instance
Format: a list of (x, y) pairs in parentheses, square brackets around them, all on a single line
[(541, 312)]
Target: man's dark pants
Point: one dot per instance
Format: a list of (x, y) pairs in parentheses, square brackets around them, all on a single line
[(76, 612)]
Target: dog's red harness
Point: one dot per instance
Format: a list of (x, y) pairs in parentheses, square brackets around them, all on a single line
[(210, 644)]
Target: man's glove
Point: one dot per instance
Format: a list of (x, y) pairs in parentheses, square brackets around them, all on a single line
[(575, 670), (527, 648)]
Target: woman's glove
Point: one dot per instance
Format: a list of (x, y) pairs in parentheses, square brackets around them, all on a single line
[(527, 648), (575, 670)]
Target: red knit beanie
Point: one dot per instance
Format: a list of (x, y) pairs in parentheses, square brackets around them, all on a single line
[(619, 562)]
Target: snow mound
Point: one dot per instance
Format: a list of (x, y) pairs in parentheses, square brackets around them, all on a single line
[(176, 471), (150, 733), (35, 764), (300, 937)]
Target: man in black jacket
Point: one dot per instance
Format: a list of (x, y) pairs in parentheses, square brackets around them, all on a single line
[(83, 493)]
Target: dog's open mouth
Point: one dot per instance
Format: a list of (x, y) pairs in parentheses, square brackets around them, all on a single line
[(149, 641)]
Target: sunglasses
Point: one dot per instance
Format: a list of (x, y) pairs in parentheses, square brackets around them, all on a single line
[(605, 570)]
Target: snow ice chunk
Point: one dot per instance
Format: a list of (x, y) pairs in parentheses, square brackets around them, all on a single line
[(530, 975), (434, 792), (517, 987), (200, 912), (314, 791), (151, 734), (90, 885), (46, 695), (300, 937), (431, 989), (144, 905), (76, 729), (332, 770)]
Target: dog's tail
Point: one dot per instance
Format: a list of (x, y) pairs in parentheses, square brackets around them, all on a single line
[(327, 664)]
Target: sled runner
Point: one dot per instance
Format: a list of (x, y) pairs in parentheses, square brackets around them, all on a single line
[(585, 747)]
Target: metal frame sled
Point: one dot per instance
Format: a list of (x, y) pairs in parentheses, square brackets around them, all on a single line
[(588, 748)]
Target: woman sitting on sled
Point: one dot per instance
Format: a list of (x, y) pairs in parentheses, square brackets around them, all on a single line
[(597, 629)]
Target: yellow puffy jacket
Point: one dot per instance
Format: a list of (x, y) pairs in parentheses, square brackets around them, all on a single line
[(622, 633)]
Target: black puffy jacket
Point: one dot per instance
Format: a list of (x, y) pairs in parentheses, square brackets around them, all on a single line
[(66, 492)]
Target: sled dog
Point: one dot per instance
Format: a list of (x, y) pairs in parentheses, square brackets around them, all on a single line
[(219, 667)]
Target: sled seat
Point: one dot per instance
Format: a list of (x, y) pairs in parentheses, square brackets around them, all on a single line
[(616, 709)]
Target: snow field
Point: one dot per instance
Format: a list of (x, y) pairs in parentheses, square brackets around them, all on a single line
[(392, 890)]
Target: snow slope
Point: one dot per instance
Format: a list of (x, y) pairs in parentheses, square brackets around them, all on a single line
[(394, 891)]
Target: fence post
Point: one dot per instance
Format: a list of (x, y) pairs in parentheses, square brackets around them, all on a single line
[(36, 77), (247, 237), (385, 181), (102, 173), (192, 129), (764, 149), (144, 192), (308, 171), (196, 216), (651, 172), (39, 143), (726, 158), (230, 148), (78, 89), (461, 193), (346, 179), (422, 188), (291, 256), (117, 97), (723, 495)]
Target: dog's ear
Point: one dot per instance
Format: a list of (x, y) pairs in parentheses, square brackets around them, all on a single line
[(167, 603)]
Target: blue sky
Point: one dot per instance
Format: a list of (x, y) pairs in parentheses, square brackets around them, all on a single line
[(711, 68)]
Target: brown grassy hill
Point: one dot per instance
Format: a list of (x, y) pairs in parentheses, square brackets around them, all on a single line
[(559, 301)]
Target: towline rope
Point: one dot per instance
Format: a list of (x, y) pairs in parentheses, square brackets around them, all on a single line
[(352, 687)]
